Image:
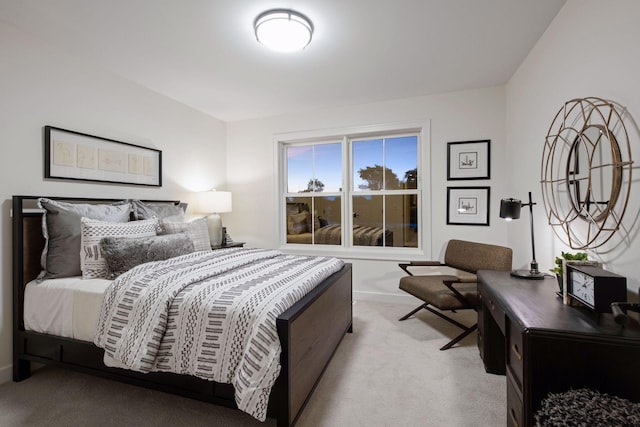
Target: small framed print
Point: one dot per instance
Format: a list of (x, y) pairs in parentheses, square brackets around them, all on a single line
[(469, 160), (78, 156), (468, 205)]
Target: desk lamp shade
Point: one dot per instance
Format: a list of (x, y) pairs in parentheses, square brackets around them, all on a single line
[(214, 203), (510, 209)]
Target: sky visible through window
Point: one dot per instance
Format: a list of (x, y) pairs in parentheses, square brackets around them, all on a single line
[(324, 161)]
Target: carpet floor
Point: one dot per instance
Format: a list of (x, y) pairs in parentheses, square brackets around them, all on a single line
[(386, 373)]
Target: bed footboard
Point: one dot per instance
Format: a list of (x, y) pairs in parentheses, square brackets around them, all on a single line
[(310, 333)]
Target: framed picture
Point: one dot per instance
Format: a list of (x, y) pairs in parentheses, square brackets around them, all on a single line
[(78, 156), (469, 160), (468, 205)]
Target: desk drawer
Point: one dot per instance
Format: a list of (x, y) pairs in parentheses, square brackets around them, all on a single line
[(515, 352), (496, 311), (515, 412), (491, 340)]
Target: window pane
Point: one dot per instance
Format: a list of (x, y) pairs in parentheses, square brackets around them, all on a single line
[(314, 168), (367, 221), (401, 161), (314, 220), (299, 168), (402, 220), (328, 167), (367, 165), (328, 229)]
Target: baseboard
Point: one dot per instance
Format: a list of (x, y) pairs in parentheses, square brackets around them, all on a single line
[(6, 374), (384, 297)]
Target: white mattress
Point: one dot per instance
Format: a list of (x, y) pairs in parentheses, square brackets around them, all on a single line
[(67, 307)]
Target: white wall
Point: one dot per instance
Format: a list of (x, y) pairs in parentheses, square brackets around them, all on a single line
[(590, 49), (469, 115), (41, 86)]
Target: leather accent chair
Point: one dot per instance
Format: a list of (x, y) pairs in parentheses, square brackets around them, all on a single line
[(452, 286)]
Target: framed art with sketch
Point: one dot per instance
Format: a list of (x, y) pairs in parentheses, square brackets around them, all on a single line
[(79, 156), (468, 205), (469, 160)]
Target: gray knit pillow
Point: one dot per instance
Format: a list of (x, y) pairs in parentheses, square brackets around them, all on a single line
[(197, 229), (124, 253)]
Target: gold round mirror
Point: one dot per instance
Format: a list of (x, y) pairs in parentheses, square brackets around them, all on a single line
[(586, 172)]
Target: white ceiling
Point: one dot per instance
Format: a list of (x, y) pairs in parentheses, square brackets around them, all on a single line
[(203, 53)]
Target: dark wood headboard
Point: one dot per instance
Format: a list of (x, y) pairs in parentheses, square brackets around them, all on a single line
[(28, 243)]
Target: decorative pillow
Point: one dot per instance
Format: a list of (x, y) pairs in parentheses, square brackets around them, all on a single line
[(197, 229), (123, 253), (297, 223), (169, 212), (92, 260), (61, 230)]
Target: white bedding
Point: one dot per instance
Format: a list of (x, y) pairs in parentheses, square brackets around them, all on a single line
[(66, 307)]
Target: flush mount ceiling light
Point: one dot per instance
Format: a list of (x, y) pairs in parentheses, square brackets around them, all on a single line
[(283, 30)]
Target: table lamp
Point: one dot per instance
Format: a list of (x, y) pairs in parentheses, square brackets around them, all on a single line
[(213, 203), (510, 209)]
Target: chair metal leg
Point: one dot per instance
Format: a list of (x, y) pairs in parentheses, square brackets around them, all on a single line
[(411, 313), (459, 337), (466, 329), (447, 318)]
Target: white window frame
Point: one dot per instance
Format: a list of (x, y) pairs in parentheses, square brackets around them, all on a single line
[(344, 135)]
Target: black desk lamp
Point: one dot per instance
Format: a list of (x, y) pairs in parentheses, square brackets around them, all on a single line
[(510, 209)]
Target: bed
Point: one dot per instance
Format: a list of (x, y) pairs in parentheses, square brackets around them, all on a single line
[(309, 332)]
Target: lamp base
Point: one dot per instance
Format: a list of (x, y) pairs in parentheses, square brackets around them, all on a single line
[(528, 274), (215, 229)]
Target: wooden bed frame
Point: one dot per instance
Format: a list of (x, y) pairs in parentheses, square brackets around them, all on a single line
[(310, 332)]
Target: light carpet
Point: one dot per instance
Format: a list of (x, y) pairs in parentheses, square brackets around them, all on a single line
[(386, 373)]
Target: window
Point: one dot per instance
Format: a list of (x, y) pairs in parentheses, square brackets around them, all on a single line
[(384, 173), (352, 190), (314, 193)]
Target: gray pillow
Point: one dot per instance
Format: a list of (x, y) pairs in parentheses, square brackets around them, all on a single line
[(61, 230), (124, 253), (197, 229), (169, 212)]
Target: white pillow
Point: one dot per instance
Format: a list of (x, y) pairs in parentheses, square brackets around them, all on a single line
[(197, 229), (92, 261)]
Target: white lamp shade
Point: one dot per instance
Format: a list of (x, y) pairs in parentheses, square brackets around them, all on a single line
[(214, 201)]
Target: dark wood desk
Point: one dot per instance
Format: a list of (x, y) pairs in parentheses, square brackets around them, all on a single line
[(544, 346)]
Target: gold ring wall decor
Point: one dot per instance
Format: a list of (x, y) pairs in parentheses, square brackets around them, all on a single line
[(586, 172)]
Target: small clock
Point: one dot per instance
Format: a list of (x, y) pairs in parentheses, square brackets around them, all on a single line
[(595, 288)]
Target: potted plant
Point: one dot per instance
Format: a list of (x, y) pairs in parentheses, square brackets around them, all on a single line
[(578, 256)]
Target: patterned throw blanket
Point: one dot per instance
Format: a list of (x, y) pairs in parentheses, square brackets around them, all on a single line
[(208, 314)]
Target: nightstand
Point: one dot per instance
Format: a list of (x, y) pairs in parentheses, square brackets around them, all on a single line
[(229, 245)]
